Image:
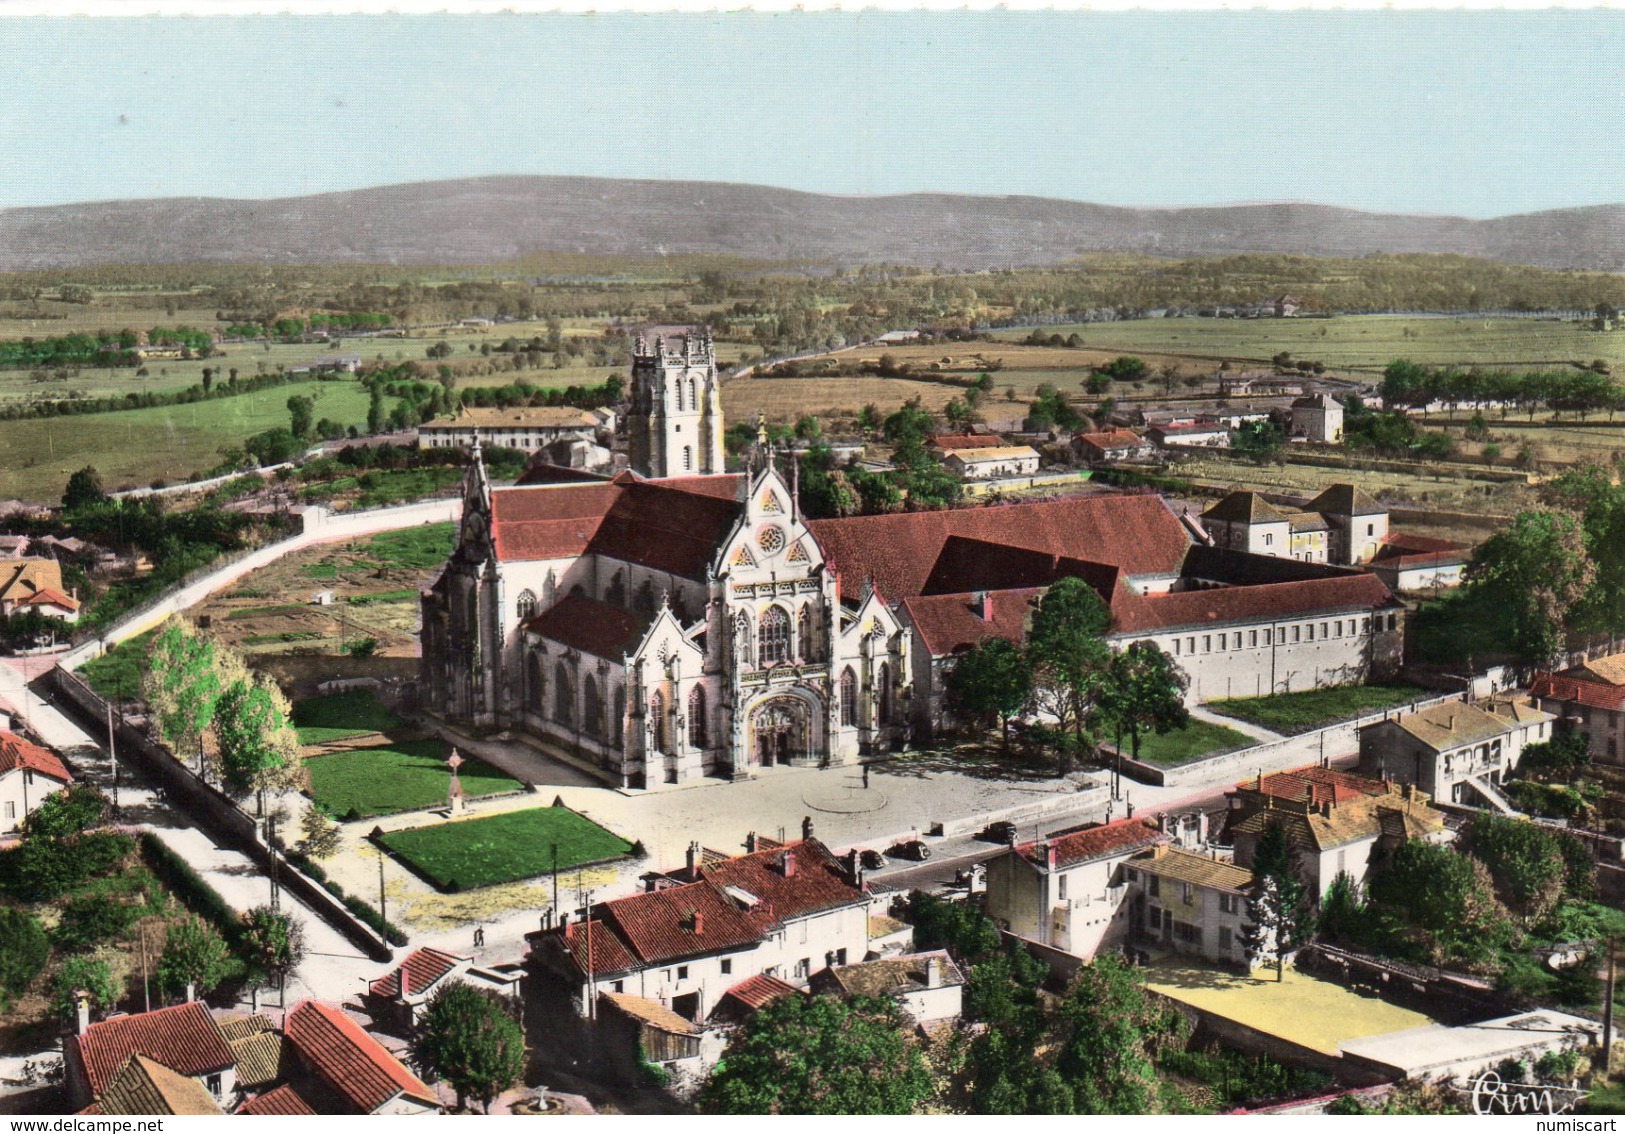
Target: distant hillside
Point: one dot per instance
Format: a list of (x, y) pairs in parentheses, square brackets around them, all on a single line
[(499, 218)]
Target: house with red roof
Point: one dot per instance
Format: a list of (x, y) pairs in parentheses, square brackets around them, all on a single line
[(1590, 699), (744, 929), (28, 774), (1111, 445), (1458, 751), (400, 996), (1069, 891), (187, 1059), (36, 585)]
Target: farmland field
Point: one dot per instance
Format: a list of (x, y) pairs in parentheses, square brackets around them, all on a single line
[(504, 847), (171, 442)]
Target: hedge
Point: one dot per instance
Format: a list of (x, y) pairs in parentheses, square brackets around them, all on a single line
[(388, 930), (195, 894)]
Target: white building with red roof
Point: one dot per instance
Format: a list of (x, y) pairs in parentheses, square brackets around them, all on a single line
[(401, 995), (28, 774)]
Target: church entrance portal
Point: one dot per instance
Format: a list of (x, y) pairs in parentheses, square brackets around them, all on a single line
[(779, 728)]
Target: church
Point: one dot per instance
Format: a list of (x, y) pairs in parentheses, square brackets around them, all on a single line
[(677, 621)]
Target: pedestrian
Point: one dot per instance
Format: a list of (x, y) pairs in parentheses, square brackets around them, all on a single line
[(479, 937), (866, 777)]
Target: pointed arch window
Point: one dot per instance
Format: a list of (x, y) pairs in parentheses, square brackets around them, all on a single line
[(688, 458), (536, 685), (696, 718), (773, 644), (617, 725), (693, 394), (657, 721), (804, 634), (563, 697), (883, 707), (849, 698), (592, 708), (527, 606)]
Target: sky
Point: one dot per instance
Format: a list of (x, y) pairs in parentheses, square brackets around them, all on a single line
[(1475, 113)]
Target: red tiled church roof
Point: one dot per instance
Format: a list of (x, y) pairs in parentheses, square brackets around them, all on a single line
[(184, 1038), (947, 623), (1134, 613), (898, 552), (15, 753), (348, 1060), (593, 627)]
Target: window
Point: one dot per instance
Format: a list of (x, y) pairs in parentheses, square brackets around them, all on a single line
[(1294, 635), (1269, 540), (1226, 939), (1060, 887), (563, 697), (11, 808), (593, 708), (803, 967), (688, 456), (1207, 643), (1227, 903), (682, 972), (213, 1082), (1190, 645), (657, 721), (1252, 637), (1132, 875), (1176, 647), (1323, 633), (1235, 641), (840, 956), (527, 605), (1365, 624), (619, 986), (1189, 934), (774, 641), (803, 925), (1371, 529), (849, 698), (1310, 636), (1153, 918), (727, 965), (1155, 886), (1269, 637), (696, 717), (1186, 892), (804, 634)]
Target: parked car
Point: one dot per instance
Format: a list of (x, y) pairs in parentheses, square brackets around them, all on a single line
[(1003, 831), (912, 849), (872, 859)]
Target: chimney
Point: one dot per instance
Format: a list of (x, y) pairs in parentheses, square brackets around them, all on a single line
[(984, 605), (1201, 827), (1049, 855), (806, 827), (81, 1003), (693, 858), (699, 924), (933, 971), (191, 989), (854, 866), (254, 999), (750, 843), (789, 864)]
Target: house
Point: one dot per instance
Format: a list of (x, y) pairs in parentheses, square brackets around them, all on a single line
[(1411, 564), (36, 585), (927, 986), (1284, 306), (1069, 892), (400, 996), (28, 774), (1245, 521), (529, 428), (1358, 524), (13, 546), (1335, 822), (1190, 435), (1190, 903), (1110, 445), (329, 364), (987, 462), (1456, 750), (779, 912), (1318, 419), (1590, 698), (319, 1061)]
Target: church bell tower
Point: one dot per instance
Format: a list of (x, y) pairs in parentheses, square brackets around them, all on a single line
[(674, 426)]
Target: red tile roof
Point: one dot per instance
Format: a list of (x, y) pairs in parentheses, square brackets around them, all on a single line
[(545, 472), (594, 627), (976, 565), (660, 927), (50, 596), (1593, 694), (420, 970), (1105, 840), (1134, 613), (759, 991), (554, 521), (281, 1100), (1327, 784), (951, 441), (948, 623), (898, 552), (348, 1060), (184, 1038), (1111, 439), (15, 752)]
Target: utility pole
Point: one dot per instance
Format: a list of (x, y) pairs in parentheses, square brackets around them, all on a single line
[(383, 913), (555, 879), (276, 880), (112, 755), (1608, 1012)]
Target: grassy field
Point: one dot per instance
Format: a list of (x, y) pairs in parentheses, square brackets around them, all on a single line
[(503, 848), (1291, 713), (404, 776), (1349, 342), (334, 716), (1315, 1013), (1443, 490), (419, 548), (830, 399), (118, 672), (1183, 745), (134, 447)]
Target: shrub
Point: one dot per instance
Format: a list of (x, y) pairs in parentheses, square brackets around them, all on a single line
[(24, 954), (195, 894), (90, 919)]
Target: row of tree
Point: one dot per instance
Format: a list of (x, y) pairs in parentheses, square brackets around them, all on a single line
[(1407, 385)]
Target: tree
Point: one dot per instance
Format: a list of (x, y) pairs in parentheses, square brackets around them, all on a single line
[(468, 1039), (84, 489), (182, 684), (272, 943), (1536, 571), (258, 747), (1144, 690), (375, 407), (991, 680), (1437, 905), (318, 836), (1070, 655), (958, 927), (1260, 440), (24, 955), (81, 974), (194, 954), (1277, 907), (66, 814), (301, 415), (1342, 912), (820, 1055), (1525, 861), (1109, 1033)]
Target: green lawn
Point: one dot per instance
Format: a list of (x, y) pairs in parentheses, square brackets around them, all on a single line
[(422, 547), (503, 848), (1192, 742), (335, 716), (118, 672), (1291, 713), (405, 776)]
